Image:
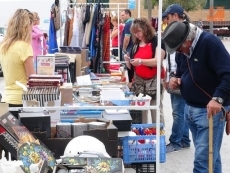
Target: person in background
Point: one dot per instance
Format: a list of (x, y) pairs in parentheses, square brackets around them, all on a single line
[(144, 61), (47, 42), (114, 34), (16, 57), (203, 76), (179, 137), (200, 24), (126, 40), (38, 41), (164, 23)]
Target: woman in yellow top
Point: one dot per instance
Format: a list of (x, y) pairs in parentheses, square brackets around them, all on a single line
[(16, 56)]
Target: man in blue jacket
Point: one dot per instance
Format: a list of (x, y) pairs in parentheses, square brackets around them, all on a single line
[(203, 76)]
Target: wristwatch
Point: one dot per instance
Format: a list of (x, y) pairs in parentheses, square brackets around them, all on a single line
[(218, 100)]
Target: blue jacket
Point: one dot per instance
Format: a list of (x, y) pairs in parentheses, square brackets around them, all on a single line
[(210, 67)]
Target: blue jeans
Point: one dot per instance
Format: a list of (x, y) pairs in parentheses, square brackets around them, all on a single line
[(180, 131), (199, 125)]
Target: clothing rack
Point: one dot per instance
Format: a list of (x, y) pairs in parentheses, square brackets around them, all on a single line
[(80, 3)]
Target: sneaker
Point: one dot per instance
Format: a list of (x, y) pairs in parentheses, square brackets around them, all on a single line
[(170, 148), (183, 145)]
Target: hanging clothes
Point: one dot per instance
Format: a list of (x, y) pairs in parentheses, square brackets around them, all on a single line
[(71, 15), (87, 15), (66, 33), (92, 46), (56, 16), (106, 42), (74, 40), (81, 26), (78, 32), (89, 27), (53, 46), (98, 61)]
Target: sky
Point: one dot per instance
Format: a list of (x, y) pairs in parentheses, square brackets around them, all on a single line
[(42, 7)]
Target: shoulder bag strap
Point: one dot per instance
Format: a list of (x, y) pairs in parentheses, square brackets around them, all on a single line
[(222, 108), (169, 63)]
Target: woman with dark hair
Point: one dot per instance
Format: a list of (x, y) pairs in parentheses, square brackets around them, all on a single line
[(143, 58)]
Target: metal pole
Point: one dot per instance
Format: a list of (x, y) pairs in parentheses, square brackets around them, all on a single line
[(211, 17), (158, 53), (139, 7), (118, 27)]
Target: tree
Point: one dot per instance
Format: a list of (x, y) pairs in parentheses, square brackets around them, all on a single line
[(150, 4), (188, 5)]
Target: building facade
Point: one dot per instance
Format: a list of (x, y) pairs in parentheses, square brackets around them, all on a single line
[(221, 11)]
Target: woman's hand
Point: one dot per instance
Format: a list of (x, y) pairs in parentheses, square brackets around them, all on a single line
[(135, 62), (127, 60)]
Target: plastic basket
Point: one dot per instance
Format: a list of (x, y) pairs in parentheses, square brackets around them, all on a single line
[(136, 152), (147, 125)]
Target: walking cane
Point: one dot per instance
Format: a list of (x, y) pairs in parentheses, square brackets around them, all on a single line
[(210, 164)]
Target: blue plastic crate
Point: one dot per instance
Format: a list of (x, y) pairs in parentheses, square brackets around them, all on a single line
[(136, 152), (147, 125)]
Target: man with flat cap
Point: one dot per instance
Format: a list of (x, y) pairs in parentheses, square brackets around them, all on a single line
[(203, 77)]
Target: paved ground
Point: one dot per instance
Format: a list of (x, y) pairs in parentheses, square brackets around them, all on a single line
[(182, 161)]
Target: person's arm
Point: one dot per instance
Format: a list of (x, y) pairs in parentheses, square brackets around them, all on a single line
[(36, 32), (126, 42), (114, 33), (127, 37), (29, 66), (127, 61)]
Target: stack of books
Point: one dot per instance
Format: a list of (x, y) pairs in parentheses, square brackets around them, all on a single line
[(45, 80), (61, 60)]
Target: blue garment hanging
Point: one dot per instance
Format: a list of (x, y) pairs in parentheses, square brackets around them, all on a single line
[(53, 46)]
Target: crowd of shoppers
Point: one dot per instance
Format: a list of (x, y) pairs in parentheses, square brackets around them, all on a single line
[(198, 65)]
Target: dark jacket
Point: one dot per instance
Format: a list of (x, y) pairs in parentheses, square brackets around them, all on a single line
[(210, 68)]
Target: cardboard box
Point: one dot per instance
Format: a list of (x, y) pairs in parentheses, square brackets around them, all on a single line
[(66, 94), (85, 58)]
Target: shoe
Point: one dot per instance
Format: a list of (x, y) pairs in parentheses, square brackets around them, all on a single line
[(170, 148), (183, 145)]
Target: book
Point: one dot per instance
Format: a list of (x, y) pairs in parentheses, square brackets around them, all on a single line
[(45, 65), (37, 76)]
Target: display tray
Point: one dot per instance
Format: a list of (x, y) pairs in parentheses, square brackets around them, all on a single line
[(91, 164), (32, 153)]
